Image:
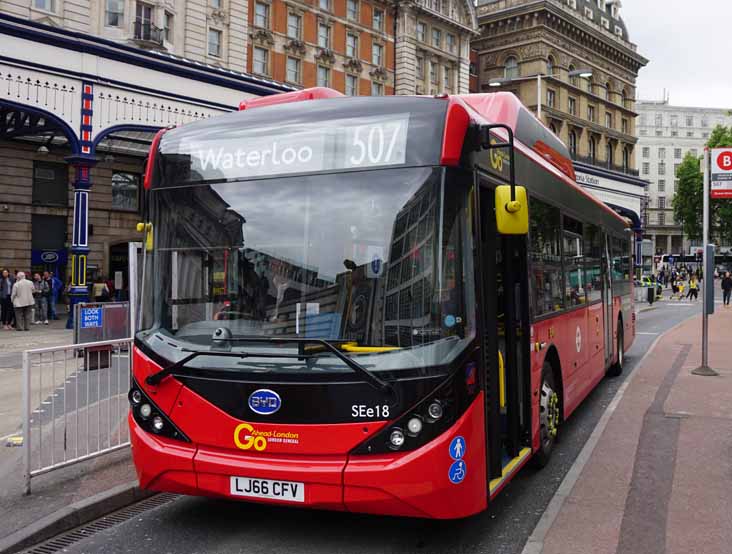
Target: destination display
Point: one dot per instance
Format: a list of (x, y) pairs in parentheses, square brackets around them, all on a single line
[(339, 144)]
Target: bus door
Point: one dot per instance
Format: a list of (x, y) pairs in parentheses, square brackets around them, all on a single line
[(502, 274), (607, 302)]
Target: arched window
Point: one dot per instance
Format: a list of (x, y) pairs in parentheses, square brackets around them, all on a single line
[(607, 91), (573, 143), (550, 66), (593, 150), (511, 68), (626, 159), (609, 154), (572, 79)]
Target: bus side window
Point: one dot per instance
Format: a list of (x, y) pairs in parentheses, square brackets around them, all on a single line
[(546, 259), (573, 263), (593, 262)]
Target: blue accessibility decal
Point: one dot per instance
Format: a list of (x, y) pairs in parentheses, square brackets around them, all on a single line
[(457, 448), (457, 472)]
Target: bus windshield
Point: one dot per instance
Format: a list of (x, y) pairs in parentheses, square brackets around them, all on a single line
[(379, 262)]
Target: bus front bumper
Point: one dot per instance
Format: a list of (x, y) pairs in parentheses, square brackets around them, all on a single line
[(413, 484)]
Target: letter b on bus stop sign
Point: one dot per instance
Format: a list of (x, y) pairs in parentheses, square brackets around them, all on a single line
[(721, 181)]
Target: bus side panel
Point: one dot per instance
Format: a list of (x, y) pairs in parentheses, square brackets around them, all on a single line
[(418, 483)]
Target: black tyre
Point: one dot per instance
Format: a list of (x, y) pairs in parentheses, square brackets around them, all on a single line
[(617, 368), (549, 416)]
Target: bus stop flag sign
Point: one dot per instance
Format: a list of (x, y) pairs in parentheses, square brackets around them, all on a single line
[(721, 182)]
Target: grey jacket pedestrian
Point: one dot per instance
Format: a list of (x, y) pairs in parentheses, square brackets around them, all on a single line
[(22, 293)]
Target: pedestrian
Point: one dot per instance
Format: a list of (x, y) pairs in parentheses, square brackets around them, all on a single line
[(41, 293), (23, 301), (693, 288), (100, 290), (726, 288), (6, 303), (56, 286)]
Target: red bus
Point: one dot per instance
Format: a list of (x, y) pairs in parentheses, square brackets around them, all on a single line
[(340, 308)]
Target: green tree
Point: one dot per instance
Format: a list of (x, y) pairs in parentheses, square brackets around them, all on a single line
[(689, 198)]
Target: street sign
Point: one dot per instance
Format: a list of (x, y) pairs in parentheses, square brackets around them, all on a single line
[(721, 182), (91, 318)]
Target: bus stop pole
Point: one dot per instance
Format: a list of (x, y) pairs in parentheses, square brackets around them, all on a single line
[(707, 299)]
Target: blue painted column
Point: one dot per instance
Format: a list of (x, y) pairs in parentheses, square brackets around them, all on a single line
[(80, 236)]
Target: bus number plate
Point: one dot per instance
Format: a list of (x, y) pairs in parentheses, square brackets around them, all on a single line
[(289, 491)]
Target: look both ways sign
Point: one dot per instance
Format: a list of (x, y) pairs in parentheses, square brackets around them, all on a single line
[(721, 182)]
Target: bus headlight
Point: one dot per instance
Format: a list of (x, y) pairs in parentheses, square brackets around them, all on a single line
[(435, 411), (396, 438), (145, 411), (414, 426), (136, 396), (158, 423)]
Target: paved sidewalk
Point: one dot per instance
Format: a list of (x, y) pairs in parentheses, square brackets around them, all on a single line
[(659, 480)]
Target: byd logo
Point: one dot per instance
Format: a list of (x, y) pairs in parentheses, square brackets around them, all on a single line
[(264, 401)]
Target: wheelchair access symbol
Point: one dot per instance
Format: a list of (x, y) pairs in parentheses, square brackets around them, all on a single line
[(457, 472)]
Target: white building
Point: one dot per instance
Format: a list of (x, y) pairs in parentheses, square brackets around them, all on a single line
[(666, 134)]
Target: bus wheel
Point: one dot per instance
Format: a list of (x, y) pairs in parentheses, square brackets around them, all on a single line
[(549, 416), (617, 368)]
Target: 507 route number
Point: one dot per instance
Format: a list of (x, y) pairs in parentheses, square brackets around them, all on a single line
[(362, 410)]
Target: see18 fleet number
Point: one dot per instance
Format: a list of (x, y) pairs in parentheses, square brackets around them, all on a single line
[(362, 410)]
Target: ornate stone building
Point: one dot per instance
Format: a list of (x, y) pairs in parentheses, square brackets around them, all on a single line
[(363, 47), (572, 62)]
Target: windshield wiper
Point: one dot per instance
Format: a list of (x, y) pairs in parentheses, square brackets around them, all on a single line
[(376, 382)]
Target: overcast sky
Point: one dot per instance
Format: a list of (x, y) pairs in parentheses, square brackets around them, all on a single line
[(687, 43)]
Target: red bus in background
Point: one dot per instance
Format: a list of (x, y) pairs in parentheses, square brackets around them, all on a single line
[(332, 319)]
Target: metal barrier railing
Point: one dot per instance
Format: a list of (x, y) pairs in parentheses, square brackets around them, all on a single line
[(74, 404)]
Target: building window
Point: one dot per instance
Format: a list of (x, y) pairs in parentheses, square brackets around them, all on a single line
[(377, 89), (323, 76), (609, 156), (324, 4), (646, 152), (553, 128), (705, 135), (609, 120), (572, 106), (168, 26), (511, 68), (551, 98), (618, 31), (659, 120), (351, 45), (677, 153), (261, 59), (261, 15), (694, 152), (674, 133), (451, 43), (662, 185), (214, 43), (143, 21), (447, 79), (643, 132), (50, 183), (605, 22), (689, 120), (46, 5), (624, 126), (433, 73), (646, 168), (689, 134), (573, 143), (662, 219), (323, 35), (125, 191), (436, 38), (606, 92), (550, 66), (114, 14), (704, 122), (351, 85), (293, 70), (659, 132), (294, 25), (421, 31), (676, 169), (662, 168), (420, 68), (588, 13), (662, 153), (377, 55), (593, 150), (674, 120), (378, 20), (626, 158), (591, 113), (572, 78), (216, 4), (588, 84), (352, 10)]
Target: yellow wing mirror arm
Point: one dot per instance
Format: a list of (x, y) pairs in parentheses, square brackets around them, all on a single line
[(146, 228)]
